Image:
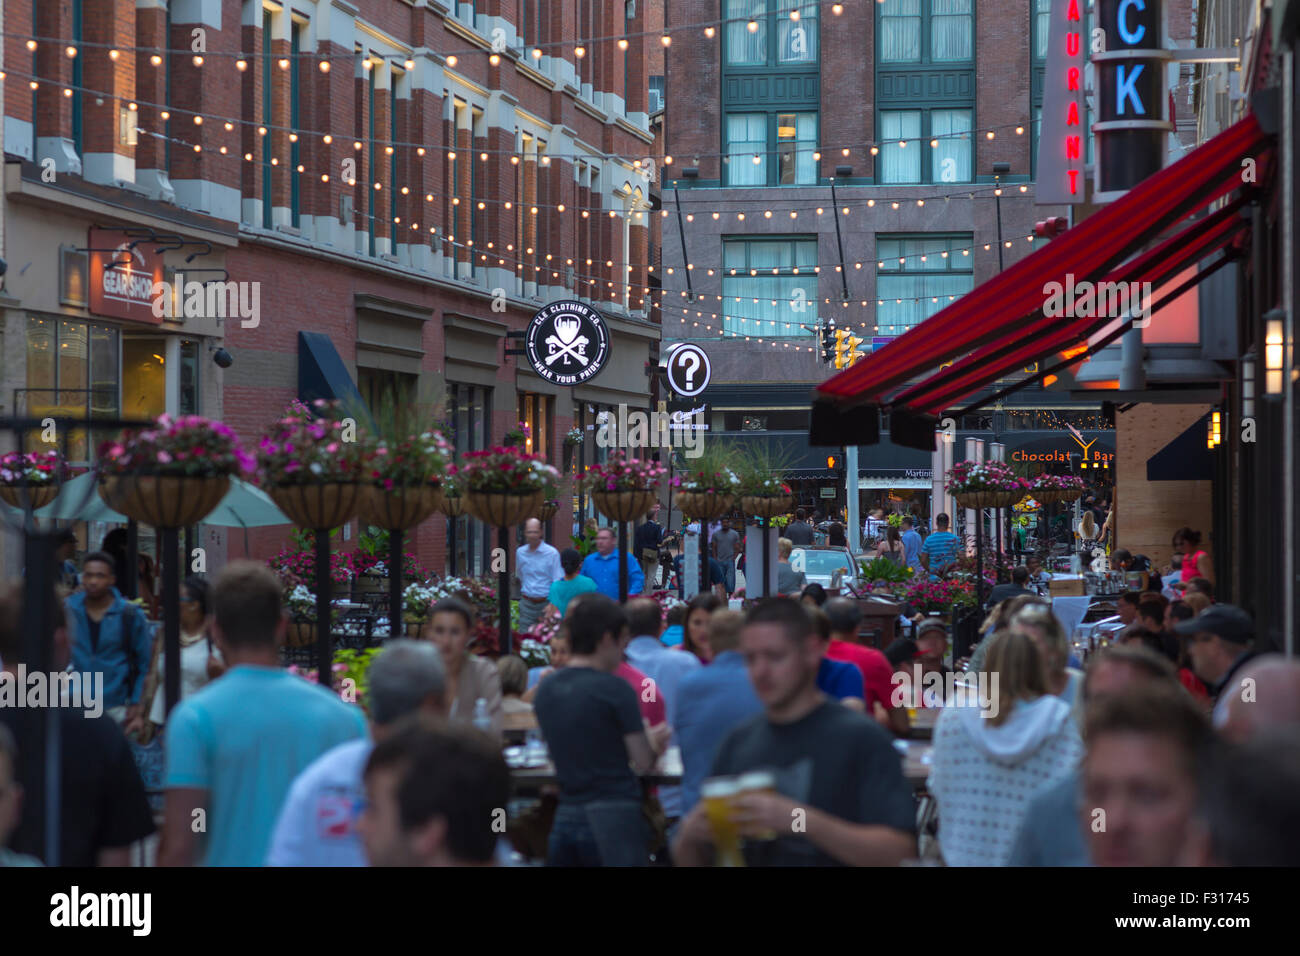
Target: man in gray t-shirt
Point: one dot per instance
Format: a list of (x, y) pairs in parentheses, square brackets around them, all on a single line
[(724, 549)]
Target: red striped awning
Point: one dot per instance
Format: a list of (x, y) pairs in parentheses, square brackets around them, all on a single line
[(1000, 326)]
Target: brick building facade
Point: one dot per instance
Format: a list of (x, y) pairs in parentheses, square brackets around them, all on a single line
[(410, 180)]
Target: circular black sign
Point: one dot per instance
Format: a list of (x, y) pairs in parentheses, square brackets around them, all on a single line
[(689, 370), (567, 343)]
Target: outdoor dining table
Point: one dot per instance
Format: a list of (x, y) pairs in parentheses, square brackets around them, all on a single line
[(921, 722), (916, 755)]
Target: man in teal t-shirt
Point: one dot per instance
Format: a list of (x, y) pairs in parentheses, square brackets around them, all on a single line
[(572, 584), (234, 747)]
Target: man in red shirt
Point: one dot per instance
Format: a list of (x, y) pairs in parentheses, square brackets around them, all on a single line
[(845, 615), (653, 710)]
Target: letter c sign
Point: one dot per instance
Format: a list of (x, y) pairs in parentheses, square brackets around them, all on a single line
[(1129, 36)]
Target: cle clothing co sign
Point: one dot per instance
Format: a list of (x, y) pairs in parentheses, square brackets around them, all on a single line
[(567, 343)]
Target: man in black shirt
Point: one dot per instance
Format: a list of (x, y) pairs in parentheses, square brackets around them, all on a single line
[(1016, 587), (103, 808), (592, 725), (799, 531), (645, 545), (842, 797)]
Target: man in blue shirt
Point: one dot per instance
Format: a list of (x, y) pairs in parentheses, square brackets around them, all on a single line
[(940, 549), (602, 567), (234, 747), (665, 668), (840, 680), (911, 542), (711, 701), (112, 636)]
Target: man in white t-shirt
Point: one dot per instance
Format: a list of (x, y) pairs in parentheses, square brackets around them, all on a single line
[(317, 824)]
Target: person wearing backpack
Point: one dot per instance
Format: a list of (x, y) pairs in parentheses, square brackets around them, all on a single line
[(110, 636)]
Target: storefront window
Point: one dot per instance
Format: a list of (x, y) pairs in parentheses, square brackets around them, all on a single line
[(469, 410), (189, 399), (72, 372), (535, 411), (144, 379)]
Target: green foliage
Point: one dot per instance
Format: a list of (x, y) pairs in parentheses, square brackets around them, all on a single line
[(374, 542)]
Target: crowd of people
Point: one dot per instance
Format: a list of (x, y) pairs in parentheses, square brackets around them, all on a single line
[(788, 723)]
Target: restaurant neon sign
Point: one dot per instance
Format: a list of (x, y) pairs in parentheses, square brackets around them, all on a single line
[(1061, 151)]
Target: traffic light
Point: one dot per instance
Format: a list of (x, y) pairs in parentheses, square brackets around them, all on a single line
[(1050, 227), (846, 348), (827, 330)]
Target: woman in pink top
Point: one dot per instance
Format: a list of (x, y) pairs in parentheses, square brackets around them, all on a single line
[(1196, 563)]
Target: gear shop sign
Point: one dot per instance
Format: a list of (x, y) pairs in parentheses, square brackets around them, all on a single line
[(567, 343)]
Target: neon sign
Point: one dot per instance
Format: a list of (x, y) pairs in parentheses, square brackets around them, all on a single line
[(1131, 128), (1061, 152)]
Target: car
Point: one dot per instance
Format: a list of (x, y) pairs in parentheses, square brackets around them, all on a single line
[(831, 567)]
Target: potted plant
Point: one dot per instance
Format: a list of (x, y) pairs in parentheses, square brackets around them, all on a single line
[(623, 488), (878, 571), (313, 468), (985, 484), (300, 605), (452, 503), (762, 492), (33, 477), (172, 474), (706, 486), (416, 601), (503, 485), (550, 501)]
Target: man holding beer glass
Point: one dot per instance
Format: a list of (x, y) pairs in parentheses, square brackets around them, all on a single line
[(808, 781)]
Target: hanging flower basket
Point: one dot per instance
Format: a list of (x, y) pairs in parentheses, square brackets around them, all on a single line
[(38, 495), (399, 508), (707, 507), (327, 505), (164, 501), (986, 484), (453, 506), (32, 478), (300, 634), (631, 505), (502, 509), (172, 474), (1052, 488), (765, 506), (547, 511), (989, 499)]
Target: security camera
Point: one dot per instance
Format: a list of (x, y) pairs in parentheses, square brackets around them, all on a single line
[(223, 358)]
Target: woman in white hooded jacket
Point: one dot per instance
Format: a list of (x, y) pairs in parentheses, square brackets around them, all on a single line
[(988, 764)]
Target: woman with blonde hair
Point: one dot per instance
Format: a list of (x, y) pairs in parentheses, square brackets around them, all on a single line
[(1088, 535), (1041, 625), (985, 768)]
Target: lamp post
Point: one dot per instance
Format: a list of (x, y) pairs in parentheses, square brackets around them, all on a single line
[(999, 170)]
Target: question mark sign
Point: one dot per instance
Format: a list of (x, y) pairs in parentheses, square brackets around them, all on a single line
[(690, 364)]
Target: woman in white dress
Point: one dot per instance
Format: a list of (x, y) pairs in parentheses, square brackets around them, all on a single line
[(200, 659)]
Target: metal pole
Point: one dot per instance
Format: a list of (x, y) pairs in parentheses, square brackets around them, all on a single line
[(979, 559), (38, 654), (704, 556), (851, 496), (131, 579), (324, 635), (451, 541), (503, 590), (395, 583), (168, 545), (622, 562), (766, 527)]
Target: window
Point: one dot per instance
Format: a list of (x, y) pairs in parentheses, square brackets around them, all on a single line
[(536, 411), (925, 31), (768, 286), (934, 270), (191, 350), (656, 101), (778, 37), (1042, 19), (73, 372), (295, 184), (384, 389), (465, 10), (469, 410), (753, 137), (532, 30), (906, 153)]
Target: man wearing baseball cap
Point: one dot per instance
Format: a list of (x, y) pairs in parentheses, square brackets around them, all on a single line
[(1221, 643)]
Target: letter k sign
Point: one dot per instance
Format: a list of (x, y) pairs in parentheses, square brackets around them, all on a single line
[(1126, 89)]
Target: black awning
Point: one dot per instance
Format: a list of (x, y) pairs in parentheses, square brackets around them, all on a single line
[(809, 462), (322, 374), (1185, 458)]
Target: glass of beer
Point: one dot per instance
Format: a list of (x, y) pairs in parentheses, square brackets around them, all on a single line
[(717, 793), (759, 781)]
